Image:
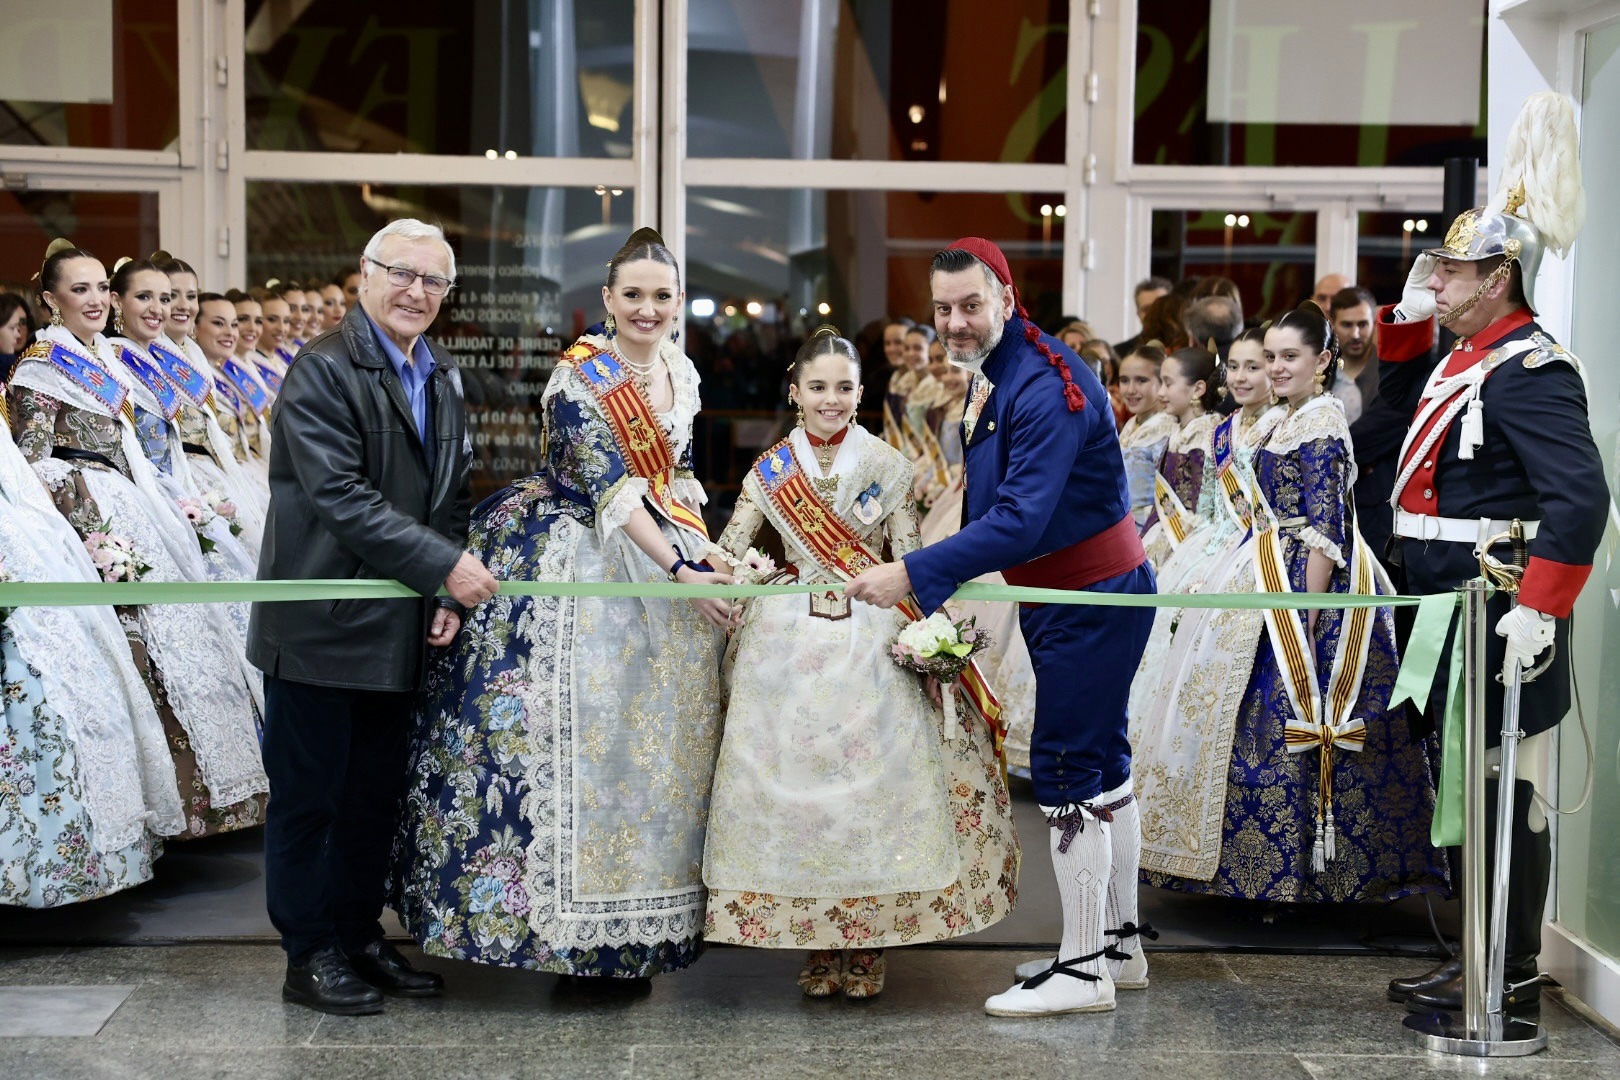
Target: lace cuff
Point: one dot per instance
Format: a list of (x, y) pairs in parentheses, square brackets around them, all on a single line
[(1311, 537), (618, 503), (689, 491)]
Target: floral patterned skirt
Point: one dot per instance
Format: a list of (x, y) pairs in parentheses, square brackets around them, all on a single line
[(47, 854), (983, 893)]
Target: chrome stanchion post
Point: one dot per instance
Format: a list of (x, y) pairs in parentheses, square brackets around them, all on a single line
[(1483, 1029)]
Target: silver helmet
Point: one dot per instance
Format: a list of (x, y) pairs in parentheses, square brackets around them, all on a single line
[(1479, 234)]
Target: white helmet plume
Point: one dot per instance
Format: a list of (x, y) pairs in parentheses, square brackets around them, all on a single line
[(1542, 168)]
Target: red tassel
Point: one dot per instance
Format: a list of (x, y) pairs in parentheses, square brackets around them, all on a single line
[(1072, 394)]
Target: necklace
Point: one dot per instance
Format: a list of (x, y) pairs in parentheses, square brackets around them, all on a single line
[(643, 370), (826, 449)]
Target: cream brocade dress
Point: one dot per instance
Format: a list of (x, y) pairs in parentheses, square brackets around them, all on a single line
[(841, 815)]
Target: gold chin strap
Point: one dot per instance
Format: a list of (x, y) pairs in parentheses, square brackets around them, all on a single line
[(1490, 279)]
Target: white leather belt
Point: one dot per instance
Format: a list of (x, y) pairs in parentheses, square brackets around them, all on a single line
[(1475, 531)]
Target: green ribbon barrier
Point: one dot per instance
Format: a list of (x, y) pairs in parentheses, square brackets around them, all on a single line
[(90, 593), (1416, 680)]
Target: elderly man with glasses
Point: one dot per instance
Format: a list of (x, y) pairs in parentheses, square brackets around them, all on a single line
[(369, 478)]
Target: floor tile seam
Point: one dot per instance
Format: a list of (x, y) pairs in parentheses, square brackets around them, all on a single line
[(1582, 1017), (1422, 1054)]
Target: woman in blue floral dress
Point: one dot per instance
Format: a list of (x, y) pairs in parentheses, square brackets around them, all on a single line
[(1304, 821), (561, 763)]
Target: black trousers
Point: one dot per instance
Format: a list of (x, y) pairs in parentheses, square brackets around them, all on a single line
[(336, 762)]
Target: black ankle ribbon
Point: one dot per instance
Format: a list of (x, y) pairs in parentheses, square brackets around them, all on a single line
[(1130, 929), (1066, 967), (1071, 818)]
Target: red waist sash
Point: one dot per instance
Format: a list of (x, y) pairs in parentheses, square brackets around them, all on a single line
[(1109, 553)]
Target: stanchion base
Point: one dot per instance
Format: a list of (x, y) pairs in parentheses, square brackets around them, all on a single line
[(1502, 1037)]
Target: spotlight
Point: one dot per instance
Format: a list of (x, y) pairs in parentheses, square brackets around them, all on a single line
[(1408, 225), (1231, 220), (511, 155), (490, 154), (702, 308), (755, 308), (824, 308), (1046, 209), (1423, 225), (1243, 221), (1060, 210), (731, 309)]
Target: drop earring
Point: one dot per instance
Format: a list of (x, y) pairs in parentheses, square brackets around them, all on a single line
[(56, 315), (799, 409), (609, 326), (1321, 381), (118, 322)]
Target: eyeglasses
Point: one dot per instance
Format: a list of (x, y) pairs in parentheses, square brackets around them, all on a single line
[(403, 277)]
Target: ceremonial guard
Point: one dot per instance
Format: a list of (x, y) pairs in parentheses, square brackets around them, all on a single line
[(1046, 503), (1500, 433)]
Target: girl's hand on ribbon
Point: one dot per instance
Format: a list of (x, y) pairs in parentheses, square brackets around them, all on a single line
[(716, 611), (931, 685)]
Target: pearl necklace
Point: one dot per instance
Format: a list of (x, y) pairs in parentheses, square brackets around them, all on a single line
[(642, 371)]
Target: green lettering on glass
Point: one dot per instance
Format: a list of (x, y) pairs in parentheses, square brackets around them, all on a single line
[(1039, 115), (281, 130), (420, 95)]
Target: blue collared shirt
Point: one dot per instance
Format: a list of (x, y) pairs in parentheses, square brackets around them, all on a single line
[(413, 376)]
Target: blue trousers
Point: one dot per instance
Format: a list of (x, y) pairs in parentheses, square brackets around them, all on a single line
[(1084, 658), (336, 762)]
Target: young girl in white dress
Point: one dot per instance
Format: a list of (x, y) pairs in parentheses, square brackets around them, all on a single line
[(845, 814), (1188, 391), (1146, 434)]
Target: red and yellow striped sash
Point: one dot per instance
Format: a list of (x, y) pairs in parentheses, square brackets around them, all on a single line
[(840, 551), (646, 449)]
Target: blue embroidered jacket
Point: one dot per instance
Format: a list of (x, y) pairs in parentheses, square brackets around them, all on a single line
[(1039, 478)]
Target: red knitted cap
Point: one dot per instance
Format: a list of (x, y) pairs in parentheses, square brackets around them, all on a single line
[(991, 256)]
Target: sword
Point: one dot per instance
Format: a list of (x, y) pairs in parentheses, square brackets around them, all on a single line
[(1506, 577)]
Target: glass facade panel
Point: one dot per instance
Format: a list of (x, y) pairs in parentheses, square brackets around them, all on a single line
[(547, 78), (1172, 92), (529, 277), (765, 267), (109, 224), (1588, 887), (1271, 256), (886, 80), (142, 112), (1386, 244)]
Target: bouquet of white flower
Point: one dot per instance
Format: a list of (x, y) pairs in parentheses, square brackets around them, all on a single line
[(199, 515), (939, 647), (217, 501), (114, 555)]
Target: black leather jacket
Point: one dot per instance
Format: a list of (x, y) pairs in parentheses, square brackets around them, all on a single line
[(351, 497)]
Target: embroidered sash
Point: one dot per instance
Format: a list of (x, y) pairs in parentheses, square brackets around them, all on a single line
[(1233, 495), (271, 378), (85, 372), (228, 394), (893, 431), (1320, 721), (645, 447), (187, 379), (168, 398), (841, 552), (933, 455), (1172, 512), (247, 387)]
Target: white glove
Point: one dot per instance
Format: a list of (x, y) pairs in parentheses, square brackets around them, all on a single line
[(1417, 300), (1528, 634)]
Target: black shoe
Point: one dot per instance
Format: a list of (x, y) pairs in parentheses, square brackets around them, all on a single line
[(1403, 989), (386, 968), (1448, 996), (325, 982)]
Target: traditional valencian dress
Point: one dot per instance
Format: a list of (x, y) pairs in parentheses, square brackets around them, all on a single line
[(1327, 797), (72, 417), (86, 784), (843, 815), (1143, 443), (157, 403), (1193, 674), (561, 763), (1176, 489)]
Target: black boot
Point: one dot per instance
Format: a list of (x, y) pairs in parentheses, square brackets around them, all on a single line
[(1528, 873), (324, 981), (386, 968)]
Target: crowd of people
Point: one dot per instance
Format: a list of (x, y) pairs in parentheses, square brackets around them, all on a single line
[(596, 783)]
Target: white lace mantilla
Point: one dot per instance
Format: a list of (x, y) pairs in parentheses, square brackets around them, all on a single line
[(1318, 420)]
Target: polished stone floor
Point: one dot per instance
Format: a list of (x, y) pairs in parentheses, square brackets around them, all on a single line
[(213, 1010)]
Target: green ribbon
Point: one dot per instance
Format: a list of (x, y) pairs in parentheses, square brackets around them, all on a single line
[(1418, 667), (89, 593)]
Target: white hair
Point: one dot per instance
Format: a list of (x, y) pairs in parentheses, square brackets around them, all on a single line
[(409, 229)]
